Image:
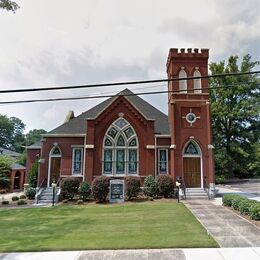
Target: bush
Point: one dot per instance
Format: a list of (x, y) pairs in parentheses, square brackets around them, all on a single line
[(228, 199), (23, 197), (165, 185), (21, 202), (254, 211), (5, 202), (69, 188), (5, 169), (80, 202), (151, 187), (84, 191), (15, 198), (132, 186), (220, 179), (33, 175), (100, 188), (236, 201), (30, 193), (245, 205)]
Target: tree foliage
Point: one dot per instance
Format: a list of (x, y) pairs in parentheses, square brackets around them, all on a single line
[(235, 118), (5, 169), (9, 5), (34, 135)]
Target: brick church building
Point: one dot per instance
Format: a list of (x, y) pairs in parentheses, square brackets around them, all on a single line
[(127, 136)]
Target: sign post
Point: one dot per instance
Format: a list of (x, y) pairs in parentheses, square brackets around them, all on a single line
[(116, 191)]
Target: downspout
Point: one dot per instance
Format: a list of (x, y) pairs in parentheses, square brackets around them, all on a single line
[(84, 160), (155, 156)]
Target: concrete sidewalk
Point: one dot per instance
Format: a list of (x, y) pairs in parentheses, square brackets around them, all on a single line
[(140, 254), (228, 228)]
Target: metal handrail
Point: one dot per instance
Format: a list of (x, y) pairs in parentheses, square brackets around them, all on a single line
[(183, 187), (206, 186), (45, 179)]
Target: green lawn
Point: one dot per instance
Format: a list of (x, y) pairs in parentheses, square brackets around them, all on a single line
[(157, 224)]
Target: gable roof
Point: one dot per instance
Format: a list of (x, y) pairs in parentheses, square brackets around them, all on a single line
[(78, 125), (36, 145), (7, 152)]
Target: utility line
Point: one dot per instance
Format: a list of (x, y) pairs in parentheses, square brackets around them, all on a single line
[(125, 83), (115, 95)]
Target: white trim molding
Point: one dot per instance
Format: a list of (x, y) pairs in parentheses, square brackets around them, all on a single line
[(150, 146), (89, 146)]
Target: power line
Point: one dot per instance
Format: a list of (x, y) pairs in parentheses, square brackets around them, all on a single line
[(126, 83), (109, 95)]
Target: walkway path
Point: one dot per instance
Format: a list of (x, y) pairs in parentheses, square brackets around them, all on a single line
[(140, 254), (228, 228)]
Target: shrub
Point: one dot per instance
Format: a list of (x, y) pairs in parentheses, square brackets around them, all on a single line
[(254, 211), (236, 201), (23, 197), (100, 188), (21, 202), (228, 199), (5, 202), (30, 193), (69, 188), (132, 186), (84, 191), (220, 179), (15, 198), (33, 175), (5, 169), (80, 202), (245, 205), (151, 187), (165, 185)]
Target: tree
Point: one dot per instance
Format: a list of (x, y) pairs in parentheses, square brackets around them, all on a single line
[(11, 133), (5, 169), (235, 118), (9, 5), (34, 135), (18, 138)]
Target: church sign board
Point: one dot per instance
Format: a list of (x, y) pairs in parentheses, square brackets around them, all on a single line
[(116, 191)]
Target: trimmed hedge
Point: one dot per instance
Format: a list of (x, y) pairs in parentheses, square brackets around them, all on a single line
[(84, 191), (165, 185), (15, 198), (30, 193), (254, 211), (5, 202), (21, 202), (100, 188), (151, 187), (244, 205), (132, 186), (69, 188)]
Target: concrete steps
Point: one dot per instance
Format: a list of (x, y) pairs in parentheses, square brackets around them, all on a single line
[(46, 196), (196, 193)]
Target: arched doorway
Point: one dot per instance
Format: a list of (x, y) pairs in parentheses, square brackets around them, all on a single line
[(17, 177), (54, 165), (192, 165)]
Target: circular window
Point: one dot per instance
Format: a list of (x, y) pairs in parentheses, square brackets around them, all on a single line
[(191, 118)]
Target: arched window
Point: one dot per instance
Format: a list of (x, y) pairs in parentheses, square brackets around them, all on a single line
[(182, 83), (191, 149), (120, 149), (197, 82), (55, 152)]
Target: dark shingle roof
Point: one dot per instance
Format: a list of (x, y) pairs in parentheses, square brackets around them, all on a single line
[(78, 124), (17, 166), (36, 145), (7, 152)]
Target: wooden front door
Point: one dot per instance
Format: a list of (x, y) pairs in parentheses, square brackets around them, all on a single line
[(55, 170), (192, 172)]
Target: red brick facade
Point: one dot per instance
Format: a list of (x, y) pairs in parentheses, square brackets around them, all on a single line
[(152, 146)]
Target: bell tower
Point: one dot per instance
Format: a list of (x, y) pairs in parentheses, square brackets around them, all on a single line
[(189, 117)]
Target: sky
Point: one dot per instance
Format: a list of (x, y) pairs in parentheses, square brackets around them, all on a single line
[(49, 43)]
